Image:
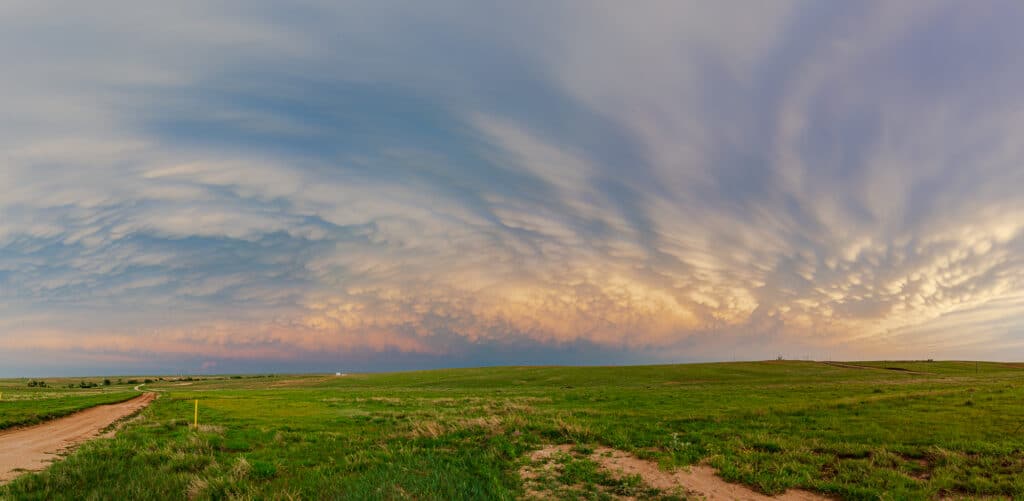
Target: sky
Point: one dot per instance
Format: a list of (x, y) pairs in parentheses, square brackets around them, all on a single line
[(313, 185)]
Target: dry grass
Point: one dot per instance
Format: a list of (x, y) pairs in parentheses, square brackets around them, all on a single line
[(195, 488), (491, 424), (241, 468)]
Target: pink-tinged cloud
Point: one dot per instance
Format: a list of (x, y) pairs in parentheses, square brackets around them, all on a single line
[(579, 182)]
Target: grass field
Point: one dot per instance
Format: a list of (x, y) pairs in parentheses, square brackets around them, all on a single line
[(899, 430), (23, 405)]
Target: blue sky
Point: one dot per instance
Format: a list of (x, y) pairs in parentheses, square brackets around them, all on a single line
[(318, 186)]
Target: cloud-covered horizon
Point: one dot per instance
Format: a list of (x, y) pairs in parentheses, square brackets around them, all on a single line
[(259, 184)]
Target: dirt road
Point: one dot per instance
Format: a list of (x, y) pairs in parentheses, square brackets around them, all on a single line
[(33, 448), (869, 367)]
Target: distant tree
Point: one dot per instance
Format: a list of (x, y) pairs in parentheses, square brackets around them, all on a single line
[(148, 381), (106, 382)]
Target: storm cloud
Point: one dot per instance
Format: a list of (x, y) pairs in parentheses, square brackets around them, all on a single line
[(309, 185)]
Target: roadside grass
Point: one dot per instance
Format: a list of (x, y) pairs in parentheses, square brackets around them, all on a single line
[(933, 430), (21, 405)]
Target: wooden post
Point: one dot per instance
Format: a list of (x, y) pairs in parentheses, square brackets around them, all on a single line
[(197, 415)]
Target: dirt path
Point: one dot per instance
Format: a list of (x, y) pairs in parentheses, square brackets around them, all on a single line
[(699, 481), (868, 367), (33, 448)]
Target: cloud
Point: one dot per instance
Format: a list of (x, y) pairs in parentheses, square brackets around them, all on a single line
[(667, 181)]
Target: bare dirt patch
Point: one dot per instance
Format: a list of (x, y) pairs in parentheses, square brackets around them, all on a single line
[(699, 481), (542, 466), (33, 448)]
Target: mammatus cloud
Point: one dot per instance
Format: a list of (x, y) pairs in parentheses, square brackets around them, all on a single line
[(667, 182)]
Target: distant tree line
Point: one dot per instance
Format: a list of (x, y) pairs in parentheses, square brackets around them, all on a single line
[(34, 383)]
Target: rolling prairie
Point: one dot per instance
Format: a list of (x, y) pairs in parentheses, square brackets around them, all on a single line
[(857, 430)]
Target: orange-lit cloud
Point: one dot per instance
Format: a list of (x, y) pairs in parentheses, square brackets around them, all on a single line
[(668, 182)]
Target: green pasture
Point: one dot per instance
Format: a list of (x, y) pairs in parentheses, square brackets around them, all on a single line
[(873, 430)]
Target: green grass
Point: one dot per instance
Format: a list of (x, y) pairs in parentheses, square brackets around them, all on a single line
[(932, 430), (22, 405)]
